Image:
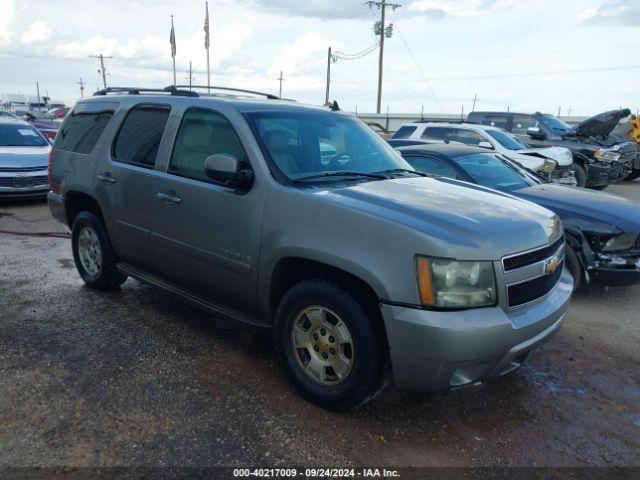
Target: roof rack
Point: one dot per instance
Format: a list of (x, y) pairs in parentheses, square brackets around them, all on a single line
[(229, 89), (444, 120), (136, 91)]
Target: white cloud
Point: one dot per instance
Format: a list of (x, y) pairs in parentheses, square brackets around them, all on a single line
[(295, 56), (37, 32), (459, 8), (613, 12), (7, 8)]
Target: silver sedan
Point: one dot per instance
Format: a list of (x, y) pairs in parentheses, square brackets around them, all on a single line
[(24, 156)]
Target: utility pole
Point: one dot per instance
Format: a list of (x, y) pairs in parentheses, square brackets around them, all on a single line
[(475, 98), (81, 83), (38, 90), (102, 70), (190, 76), (326, 95), (280, 78), (382, 31)]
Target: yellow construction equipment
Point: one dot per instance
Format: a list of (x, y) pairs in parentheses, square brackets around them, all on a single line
[(635, 128)]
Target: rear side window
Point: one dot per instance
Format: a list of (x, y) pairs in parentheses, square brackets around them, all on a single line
[(139, 137), (521, 123), (441, 133), (404, 132), (84, 126), (495, 120), (203, 133)]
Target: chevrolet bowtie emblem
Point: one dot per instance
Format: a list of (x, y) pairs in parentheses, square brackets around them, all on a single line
[(551, 265)]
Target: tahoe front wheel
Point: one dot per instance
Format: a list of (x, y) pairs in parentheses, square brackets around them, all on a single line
[(328, 345)]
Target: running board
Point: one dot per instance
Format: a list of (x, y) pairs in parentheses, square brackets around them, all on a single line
[(213, 308)]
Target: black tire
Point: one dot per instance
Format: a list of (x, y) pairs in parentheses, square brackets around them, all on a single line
[(635, 173), (581, 174), (575, 267), (108, 277), (366, 377)]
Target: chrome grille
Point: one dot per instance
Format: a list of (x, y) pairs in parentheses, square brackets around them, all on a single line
[(22, 169), (24, 182), (533, 256), (628, 152), (530, 290)]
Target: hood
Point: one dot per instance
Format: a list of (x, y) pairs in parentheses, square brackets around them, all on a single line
[(465, 220), (601, 124), (24, 156), (583, 206), (561, 155)]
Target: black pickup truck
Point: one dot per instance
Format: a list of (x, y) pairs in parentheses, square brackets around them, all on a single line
[(600, 156)]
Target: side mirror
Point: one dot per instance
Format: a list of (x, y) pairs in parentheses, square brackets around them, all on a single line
[(535, 132), (225, 170), (486, 145)]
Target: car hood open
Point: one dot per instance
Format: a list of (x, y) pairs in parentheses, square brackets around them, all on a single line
[(585, 204), (457, 215), (601, 124)]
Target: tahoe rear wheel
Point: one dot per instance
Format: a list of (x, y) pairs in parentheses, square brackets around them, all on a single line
[(328, 345), (93, 255)]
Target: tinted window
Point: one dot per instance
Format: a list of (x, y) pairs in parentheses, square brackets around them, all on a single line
[(554, 124), (440, 133), (469, 137), (432, 166), (489, 171), (82, 128), (20, 135), (203, 133), (523, 122), (140, 134), (495, 120), (404, 132)]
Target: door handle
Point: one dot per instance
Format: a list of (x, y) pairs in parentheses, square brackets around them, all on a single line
[(106, 178), (169, 197)]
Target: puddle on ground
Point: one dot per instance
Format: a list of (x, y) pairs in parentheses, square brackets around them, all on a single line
[(66, 262), (549, 379)]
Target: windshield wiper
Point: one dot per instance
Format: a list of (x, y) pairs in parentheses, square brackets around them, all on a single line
[(377, 176), (395, 170)]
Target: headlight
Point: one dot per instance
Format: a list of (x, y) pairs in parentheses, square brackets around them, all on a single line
[(626, 241), (455, 284), (549, 166), (607, 155)]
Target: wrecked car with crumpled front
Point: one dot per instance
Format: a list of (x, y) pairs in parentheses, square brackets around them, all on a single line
[(600, 157)]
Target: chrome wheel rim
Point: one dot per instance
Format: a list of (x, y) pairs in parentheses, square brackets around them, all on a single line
[(89, 251), (322, 345)]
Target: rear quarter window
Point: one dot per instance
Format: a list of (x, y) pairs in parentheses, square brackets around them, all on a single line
[(83, 127)]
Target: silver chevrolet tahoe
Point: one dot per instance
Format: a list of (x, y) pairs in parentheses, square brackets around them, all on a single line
[(302, 219)]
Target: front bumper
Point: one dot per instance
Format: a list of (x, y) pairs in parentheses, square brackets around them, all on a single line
[(437, 350), (614, 271), (563, 175), (57, 207)]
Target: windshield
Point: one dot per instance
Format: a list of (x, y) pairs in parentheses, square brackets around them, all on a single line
[(507, 140), (488, 170), (16, 135), (324, 145), (554, 124)]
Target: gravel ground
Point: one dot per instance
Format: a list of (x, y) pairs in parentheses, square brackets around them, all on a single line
[(138, 377)]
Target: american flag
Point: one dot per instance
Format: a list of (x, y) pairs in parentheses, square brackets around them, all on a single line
[(172, 40), (206, 27)]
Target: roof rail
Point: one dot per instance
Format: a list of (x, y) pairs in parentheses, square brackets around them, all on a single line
[(444, 120), (229, 89), (136, 91)]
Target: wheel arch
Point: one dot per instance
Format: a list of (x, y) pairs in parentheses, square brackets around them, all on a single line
[(76, 201)]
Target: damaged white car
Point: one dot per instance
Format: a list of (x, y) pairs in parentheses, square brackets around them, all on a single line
[(553, 163)]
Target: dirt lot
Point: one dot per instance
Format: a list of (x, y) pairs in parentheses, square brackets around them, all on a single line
[(139, 378)]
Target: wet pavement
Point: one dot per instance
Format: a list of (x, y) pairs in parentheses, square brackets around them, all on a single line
[(138, 377)]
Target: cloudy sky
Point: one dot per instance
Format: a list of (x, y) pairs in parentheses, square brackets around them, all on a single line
[(529, 55)]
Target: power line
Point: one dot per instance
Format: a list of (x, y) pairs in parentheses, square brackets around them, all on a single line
[(433, 93)]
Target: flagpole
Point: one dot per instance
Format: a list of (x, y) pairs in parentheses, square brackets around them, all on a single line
[(173, 57), (207, 45)]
